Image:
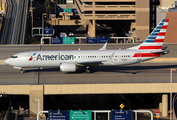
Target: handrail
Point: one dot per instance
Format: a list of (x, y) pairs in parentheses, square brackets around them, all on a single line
[(136, 111), (123, 38), (40, 113)]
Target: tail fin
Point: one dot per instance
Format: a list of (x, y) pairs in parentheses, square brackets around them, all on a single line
[(155, 40)]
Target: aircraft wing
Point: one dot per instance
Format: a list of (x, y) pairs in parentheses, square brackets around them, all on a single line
[(90, 62), (96, 62)]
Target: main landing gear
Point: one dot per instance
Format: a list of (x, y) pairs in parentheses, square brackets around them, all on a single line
[(22, 71), (87, 70)]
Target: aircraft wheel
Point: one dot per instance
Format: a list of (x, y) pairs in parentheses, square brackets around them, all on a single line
[(21, 71), (87, 71)]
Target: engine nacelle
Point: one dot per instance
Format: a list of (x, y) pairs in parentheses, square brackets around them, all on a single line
[(68, 67)]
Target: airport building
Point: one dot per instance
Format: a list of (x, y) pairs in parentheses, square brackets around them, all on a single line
[(136, 18), (168, 10)]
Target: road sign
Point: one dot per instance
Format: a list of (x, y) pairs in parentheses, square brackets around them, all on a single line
[(157, 111), (80, 115), (121, 106), (68, 40), (56, 40), (58, 115), (69, 10), (103, 39), (48, 31), (91, 40), (121, 115)]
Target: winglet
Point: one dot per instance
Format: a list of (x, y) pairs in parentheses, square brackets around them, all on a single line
[(104, 47)]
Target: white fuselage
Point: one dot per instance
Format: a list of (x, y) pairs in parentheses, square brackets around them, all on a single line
[(55, 58)]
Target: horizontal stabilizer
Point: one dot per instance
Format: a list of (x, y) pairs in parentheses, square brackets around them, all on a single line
[(164, 48)]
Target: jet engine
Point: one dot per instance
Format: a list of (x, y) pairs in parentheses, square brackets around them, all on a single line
[(68, 67)]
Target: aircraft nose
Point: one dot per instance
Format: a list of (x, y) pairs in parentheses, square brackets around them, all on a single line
[(7, 61)]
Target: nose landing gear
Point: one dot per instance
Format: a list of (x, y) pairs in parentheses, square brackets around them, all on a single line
[(20, 68)]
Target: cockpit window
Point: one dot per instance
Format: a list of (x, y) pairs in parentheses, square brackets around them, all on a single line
[(13, 56)]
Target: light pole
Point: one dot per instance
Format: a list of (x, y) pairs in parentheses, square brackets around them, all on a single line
[(43, 23), (171, 70), (38, 104)]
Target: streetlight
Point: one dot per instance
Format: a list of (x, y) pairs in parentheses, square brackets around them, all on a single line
[(38, 104), (171, 70)]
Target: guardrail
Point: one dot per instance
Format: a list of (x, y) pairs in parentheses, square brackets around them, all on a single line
[(108, 16), (84, 40), (108, 7), (106, 111), (40, 33)]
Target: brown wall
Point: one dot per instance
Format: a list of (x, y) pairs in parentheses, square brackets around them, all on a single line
[(171, 34), (142, 19)]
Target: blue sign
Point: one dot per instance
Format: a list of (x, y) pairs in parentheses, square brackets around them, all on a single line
[(121, 115), (74, 11), (91, 40), (103, 39), (58, 115), (56, 40), (48, 31)]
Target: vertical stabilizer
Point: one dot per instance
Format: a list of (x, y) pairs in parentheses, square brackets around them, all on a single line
[(155, 40)]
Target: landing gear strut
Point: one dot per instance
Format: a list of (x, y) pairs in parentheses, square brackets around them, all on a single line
[(21, 71), (87, 69)]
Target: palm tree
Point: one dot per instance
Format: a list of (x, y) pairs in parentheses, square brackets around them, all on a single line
[(55, 4), (46, 7), (47, 3), (49, 8)]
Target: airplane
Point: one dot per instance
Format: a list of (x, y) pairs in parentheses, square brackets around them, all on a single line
[(71, 60)]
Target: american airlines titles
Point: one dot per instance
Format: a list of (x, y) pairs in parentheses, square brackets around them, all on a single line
[(55, 57)]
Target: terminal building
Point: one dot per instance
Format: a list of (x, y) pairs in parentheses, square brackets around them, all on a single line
[(133, 18), (137, 18)]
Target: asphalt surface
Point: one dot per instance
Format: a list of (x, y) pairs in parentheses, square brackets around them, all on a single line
[(13, 31), (8, 22), (137, 73)]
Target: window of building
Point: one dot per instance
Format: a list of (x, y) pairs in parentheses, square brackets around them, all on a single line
[(61, 1)]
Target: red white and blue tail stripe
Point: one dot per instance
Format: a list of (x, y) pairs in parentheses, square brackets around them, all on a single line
[(155, 40)]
